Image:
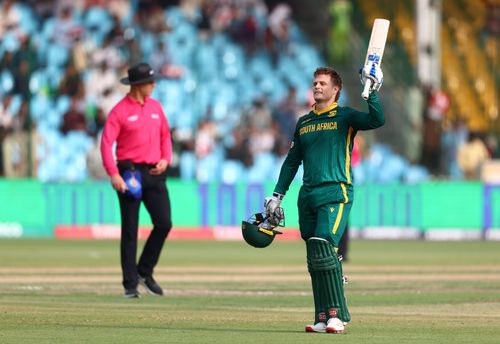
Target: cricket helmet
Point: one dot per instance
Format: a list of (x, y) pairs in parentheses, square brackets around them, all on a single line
[(258, 231)]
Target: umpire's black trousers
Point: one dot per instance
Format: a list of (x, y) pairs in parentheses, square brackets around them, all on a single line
[(156, 199)]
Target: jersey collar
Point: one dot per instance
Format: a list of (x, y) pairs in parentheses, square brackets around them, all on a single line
[(135, 101), (330, 108)]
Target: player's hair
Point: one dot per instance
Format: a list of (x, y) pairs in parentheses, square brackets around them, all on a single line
[(337, 80)]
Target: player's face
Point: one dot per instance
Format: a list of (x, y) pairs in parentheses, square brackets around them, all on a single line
[(323, 89)]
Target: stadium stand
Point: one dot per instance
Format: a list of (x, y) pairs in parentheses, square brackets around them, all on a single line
[(210, 77), (469, 63), (229, 70)]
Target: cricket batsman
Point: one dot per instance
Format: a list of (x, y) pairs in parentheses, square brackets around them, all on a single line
[(323, 142)]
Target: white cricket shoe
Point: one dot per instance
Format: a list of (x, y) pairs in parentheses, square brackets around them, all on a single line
[(319, 327), (335, 325)]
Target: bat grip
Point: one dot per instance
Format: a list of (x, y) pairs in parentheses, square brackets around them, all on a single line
[(366, 89)]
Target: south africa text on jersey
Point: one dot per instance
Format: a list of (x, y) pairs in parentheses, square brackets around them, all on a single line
[(317, 127)]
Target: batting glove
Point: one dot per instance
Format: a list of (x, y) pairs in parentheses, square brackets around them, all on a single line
[(373, 72), (276, 218), (272, 203)]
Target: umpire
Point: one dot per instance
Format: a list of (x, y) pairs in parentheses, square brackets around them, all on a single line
[(138, 126)]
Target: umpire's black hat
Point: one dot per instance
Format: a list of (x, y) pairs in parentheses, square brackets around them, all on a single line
[(141, 73)]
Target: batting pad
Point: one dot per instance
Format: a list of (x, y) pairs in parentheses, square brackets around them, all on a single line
[(326, 277)]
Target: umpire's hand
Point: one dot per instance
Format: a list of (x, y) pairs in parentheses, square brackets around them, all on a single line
[(160, 167), (118, 183)]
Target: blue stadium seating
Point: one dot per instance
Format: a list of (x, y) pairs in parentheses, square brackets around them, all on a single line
[(220, 79), (98, 23), (6, 82)]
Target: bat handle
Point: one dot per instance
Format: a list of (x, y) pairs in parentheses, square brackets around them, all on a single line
[(366, 89)]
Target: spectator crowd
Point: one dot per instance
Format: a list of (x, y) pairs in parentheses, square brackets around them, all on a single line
[(236, 76)]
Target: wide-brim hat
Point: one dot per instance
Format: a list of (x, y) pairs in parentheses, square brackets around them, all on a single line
[(141, 73)]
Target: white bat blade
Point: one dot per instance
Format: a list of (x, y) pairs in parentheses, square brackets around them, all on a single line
[(376, 48), (378, 38)]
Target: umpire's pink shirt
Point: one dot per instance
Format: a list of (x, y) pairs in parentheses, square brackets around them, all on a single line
[(141, 133)]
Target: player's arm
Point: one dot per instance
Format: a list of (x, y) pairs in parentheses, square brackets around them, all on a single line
[(287, 173), (372, 119), (290, 165)]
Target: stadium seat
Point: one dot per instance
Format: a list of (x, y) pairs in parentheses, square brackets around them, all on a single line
[(49, 169), (63, 103), (78, 142), (233, 171), (54, 76), (40, 105), (97, 21), (28, 21), (75, 168), (187, 164), (205, 62), (394, 169), (15, 104), (53, 119), (48, 27), (147, 43), (416, 174), (38, 81), (174, 16), (57, 55), (263, 168), (10, 42), (233, 61), (6, 81), (208, 168)]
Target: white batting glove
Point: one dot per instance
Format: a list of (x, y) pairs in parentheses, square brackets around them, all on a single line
[(373, 72), (278, 216), (272, 203)]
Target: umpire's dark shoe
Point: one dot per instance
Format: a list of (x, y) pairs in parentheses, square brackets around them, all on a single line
[(131, 293), (150, 284)]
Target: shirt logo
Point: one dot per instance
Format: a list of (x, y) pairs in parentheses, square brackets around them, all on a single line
[(332, 113), (332, 210), (133, 118), (155, 116)]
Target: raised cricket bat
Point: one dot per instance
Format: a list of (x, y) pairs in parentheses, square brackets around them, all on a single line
[(376, 48)]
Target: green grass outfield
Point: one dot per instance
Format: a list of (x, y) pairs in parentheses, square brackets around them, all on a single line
[(227, 292)]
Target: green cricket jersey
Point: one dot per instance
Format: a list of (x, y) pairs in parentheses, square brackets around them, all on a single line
[(323, 142)]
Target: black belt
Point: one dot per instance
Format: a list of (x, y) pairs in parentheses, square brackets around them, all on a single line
[(130, 165)]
